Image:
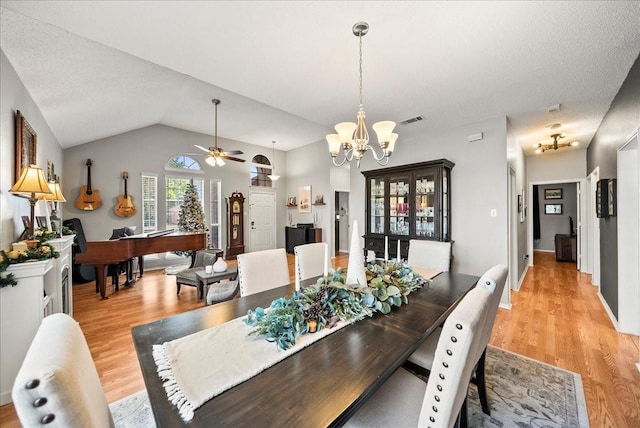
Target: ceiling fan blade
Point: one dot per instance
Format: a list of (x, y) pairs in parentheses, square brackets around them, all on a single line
[(233, 159), (202, 148), (234, 152)]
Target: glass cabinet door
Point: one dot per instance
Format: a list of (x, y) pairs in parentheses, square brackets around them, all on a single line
[(445, 205), (426, 205), (376, 210), (399, 188)]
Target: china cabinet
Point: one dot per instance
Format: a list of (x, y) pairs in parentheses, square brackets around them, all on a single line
[(407, 202)]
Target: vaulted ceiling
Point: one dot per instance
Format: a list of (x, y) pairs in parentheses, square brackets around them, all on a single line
[(288, 71)]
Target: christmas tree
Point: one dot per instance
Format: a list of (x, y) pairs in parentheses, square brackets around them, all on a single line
[(191, 217)]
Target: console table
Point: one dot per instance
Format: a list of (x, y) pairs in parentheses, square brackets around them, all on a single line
[(301, 235)]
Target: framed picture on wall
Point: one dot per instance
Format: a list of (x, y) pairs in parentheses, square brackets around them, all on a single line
[(553, 193), (611, 197), (553, 208), (304, 199), (26, 145), (602, 198)]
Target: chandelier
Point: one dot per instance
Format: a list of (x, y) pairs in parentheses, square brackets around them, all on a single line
[(541, 148), (353, 138), (273, 176)]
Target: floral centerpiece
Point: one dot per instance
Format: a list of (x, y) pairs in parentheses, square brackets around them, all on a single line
[(42, 251), (331, 300)]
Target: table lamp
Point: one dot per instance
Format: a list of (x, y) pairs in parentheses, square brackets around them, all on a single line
[(33, 184), (55, 197)]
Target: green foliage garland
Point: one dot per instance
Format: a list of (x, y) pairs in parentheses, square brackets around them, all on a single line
[(42, 251), (326, 303)]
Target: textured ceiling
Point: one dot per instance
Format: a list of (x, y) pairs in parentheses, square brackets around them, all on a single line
[(288, 71)]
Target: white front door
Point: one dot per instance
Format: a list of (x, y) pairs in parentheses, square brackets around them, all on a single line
[(262, 221)]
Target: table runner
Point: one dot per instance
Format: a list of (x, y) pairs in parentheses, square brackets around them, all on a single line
[(200, 366)]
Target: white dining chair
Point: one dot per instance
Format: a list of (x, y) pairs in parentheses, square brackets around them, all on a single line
[(422, 359), (404, 400), (310, 259), (57, 383), (429, 254), (262, 270)]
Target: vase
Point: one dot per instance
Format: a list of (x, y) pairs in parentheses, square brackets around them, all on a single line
[(220, 265)]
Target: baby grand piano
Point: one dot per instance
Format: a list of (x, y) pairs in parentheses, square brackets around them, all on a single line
[(103, 253)]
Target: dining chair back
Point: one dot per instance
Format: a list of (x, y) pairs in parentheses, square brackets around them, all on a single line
[(310, 259), (405, 400), (429, 254), (262, 270), (57, 383)]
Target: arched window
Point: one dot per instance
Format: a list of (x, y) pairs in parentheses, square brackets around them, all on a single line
[(182, 163), (260, 168)]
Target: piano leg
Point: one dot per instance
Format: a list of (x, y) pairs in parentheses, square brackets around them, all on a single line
[(101, 281), (130, 275), (140, 266)]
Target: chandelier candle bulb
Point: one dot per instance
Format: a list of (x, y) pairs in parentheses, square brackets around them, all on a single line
[(398, 258), (326, 261)]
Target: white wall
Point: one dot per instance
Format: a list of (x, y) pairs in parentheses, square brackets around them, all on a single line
[(479, 184), (311, 165), (147, 150), (16, 97), (557, 166)]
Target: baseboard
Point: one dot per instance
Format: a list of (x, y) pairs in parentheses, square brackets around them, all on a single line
[(521, 279), (638, 366), (505, 306), (544, 251), (607, 309), (5, 398)]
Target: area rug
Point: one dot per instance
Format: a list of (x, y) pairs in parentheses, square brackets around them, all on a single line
[(522, 393), (527, 393)]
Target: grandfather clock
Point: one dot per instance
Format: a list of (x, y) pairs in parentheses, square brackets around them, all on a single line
[(235, 225)]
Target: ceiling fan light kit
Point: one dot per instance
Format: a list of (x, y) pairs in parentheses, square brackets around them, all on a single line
[(353, 138), (217, 155), (541, 148)]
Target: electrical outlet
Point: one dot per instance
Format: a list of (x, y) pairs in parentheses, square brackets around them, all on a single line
[(494, 212), (525, 257)]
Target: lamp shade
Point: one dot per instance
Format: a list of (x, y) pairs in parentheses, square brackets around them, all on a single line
[(392, 142), (346, 130), (334, 144), (56, 193), (31, 182), (383, 130)]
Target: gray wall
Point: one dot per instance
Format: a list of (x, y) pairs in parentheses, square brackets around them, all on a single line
[(618, 125), (147, 150), (552, 224), (479, 184), (16, 97)]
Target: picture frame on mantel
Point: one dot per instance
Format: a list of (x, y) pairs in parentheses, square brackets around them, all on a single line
[(26, 145)]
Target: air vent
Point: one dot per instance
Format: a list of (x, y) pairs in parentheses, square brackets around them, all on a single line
[(412, 120)]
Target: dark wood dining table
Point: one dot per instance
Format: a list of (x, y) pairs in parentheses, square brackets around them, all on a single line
[(322, 384)]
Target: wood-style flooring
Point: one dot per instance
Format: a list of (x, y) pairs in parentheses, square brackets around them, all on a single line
[(556, 317)]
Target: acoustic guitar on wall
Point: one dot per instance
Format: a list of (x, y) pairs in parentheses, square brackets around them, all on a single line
[(125, 206), (89, 198)]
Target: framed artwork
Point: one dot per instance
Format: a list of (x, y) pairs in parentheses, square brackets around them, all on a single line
[(602, 198), (41, 221), (553, 193), (611, 197), (553, 208), (26, 145), (304, 199)]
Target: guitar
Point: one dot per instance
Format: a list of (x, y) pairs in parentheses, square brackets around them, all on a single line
[(88, 199), (125, 206)]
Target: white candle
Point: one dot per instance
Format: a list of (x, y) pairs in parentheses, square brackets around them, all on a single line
[(297, 273), (326, 260), (386, 248), (398, 258)]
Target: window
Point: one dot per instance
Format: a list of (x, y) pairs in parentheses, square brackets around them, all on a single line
[(175, 188), (215, 213), (149, 203), (183, 162), (260, 168)]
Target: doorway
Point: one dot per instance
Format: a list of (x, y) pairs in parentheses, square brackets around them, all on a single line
[(262, 213), (341, 221)]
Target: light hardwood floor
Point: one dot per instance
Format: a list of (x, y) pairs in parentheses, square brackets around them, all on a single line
[(556, 318)]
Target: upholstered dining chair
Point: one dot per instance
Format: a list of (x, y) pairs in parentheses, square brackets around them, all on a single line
[(262, 270), (422, 359), (429, 254), (310, 259), (404, 400), (58, 383)]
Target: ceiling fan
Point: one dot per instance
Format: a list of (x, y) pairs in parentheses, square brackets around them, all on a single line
[(216, 154)]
